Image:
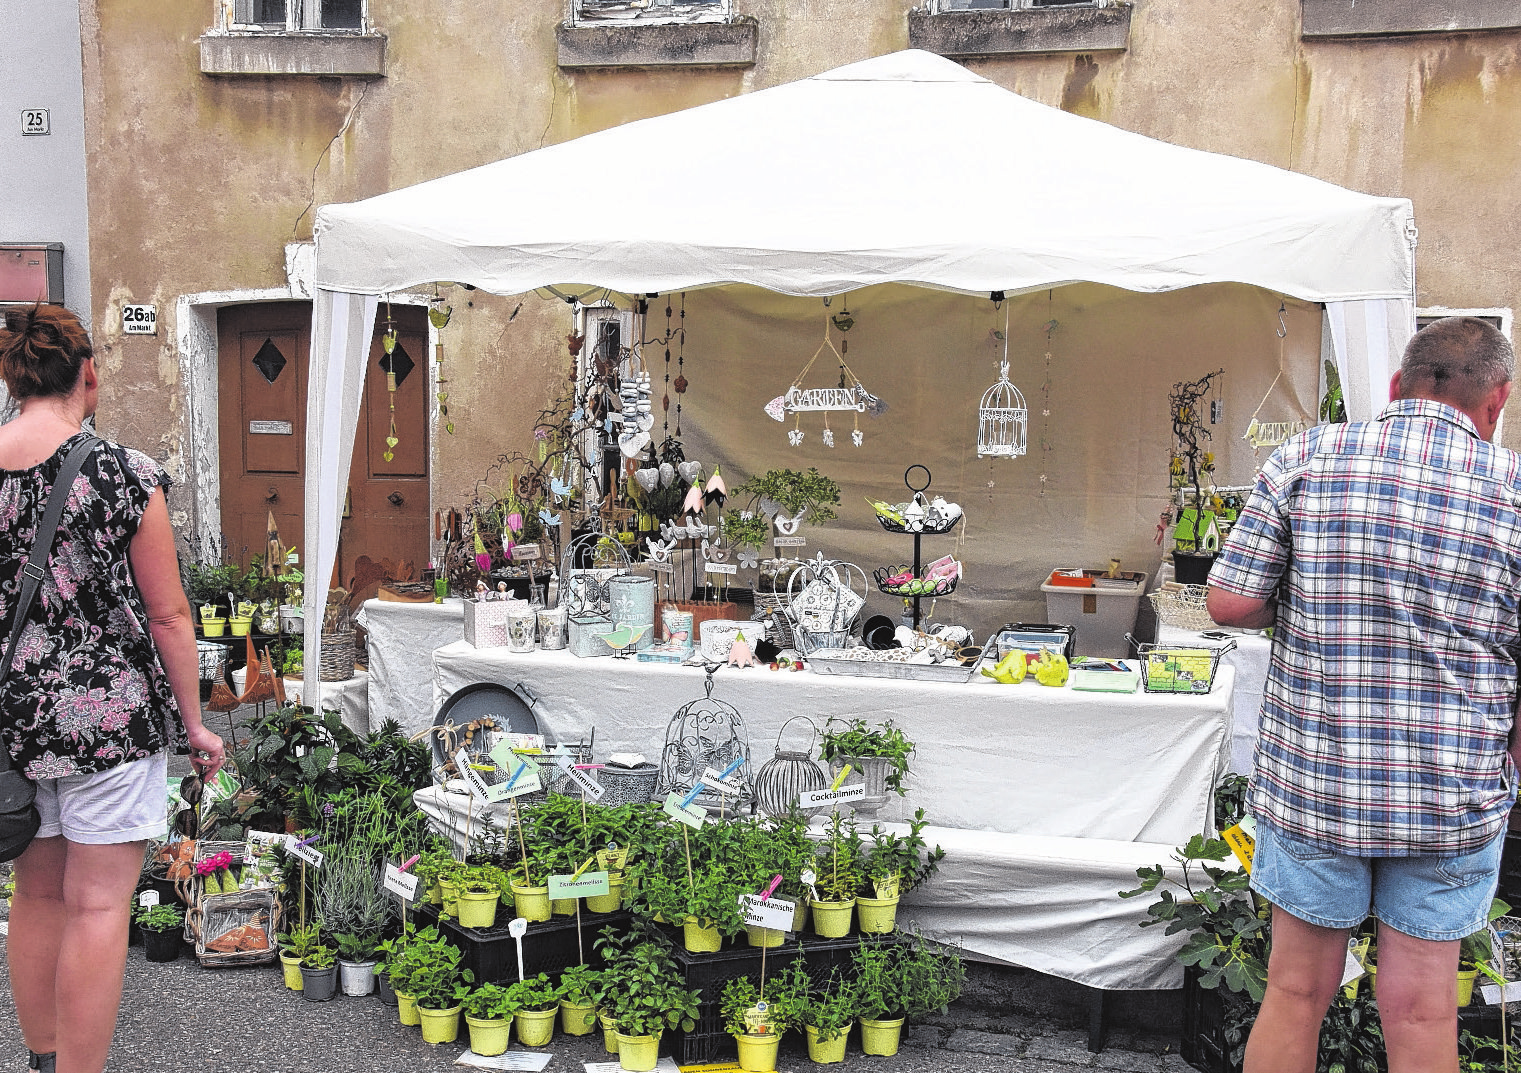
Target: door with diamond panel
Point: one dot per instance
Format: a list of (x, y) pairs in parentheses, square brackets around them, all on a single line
[(262, 370)]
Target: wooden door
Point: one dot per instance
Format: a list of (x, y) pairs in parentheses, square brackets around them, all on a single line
[(262, 373)]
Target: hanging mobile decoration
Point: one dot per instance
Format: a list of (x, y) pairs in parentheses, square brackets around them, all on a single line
[(850, 396), (680, 383), (388, 344), (1262, 434), (1002, 418), (438, 316), (665, 402), (1046, 446)]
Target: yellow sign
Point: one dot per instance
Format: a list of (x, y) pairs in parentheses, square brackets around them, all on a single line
[(1241, 844)]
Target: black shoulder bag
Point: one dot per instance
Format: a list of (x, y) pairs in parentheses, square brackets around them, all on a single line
[(18, 812)]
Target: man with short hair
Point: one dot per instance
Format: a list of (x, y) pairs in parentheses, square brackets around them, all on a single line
[(1387, 556)]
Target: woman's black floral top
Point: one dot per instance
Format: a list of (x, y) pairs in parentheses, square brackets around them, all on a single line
[(86, 690)]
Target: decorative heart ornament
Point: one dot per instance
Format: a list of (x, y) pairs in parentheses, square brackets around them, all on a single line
[(689, 470), (776, 408), (648, 479), (667, 474)]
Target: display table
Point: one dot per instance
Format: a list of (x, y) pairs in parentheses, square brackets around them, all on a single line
[(1019, 759), (402, 637), (349, 698), (1250, 660)]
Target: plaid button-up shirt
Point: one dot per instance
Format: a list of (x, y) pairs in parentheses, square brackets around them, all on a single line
[(1393, 548)]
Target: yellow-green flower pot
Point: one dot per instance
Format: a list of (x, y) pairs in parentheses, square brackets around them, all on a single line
[(489, 1036), (562, 907), (610, 902), (291, 966), (406, 1008), (532, 903), (1466, 978), (609, 1032), (535, 1028), (439, 1026), (881, 1037), (638, 1054), (826, 1052), (700, 940), (477, 910), (767, 937), (450, 905), (831, 920), (757, 1054), (876, 916), (575, 1018)]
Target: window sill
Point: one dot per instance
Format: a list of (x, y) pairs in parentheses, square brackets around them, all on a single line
[(320, 54), (1027, 31), (1347, 18), (633, 45)]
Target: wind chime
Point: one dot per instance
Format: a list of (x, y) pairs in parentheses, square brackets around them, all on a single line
[(1262, 434), (1002, 417), (438, 316), (848, 396), (388, 343)]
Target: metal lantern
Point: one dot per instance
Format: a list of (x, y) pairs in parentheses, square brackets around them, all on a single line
[(788, 775), (706, 734), (1002, 419)]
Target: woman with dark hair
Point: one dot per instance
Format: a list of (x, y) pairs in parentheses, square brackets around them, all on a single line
[(103, 683)]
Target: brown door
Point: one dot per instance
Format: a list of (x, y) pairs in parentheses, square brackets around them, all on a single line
[(262, 373)]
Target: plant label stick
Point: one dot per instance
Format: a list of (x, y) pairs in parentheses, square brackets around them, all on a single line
[(815, 798), (148, 899), (690, 815), (399, 883), (576, 774), (773, 913), (517, 929), (840, 778)]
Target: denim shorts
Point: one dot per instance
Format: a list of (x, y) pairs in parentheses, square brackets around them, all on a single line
[(126, 803), (1434, 898)]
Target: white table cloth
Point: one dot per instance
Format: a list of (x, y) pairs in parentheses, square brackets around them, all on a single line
[(1017, 759), (1250, 660), (349, 698), (402, 637)]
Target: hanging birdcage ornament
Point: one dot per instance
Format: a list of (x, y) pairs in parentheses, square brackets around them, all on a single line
[(1002, 419), (705, 734), (788, 775)]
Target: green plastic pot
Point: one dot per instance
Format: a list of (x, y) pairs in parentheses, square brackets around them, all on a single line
[(1466, 978), (489, 1036), (450, 905), (531, 903), (831, 920), (609, 1032), (638, 1054), (477, 910), (881, 1037), (876, 916), (562, 907), (757, 1054), (439, 1026), (700, 940), (767, 937), (573, 1018), (535, 1027), (610, 902), (821, 1052), (406, 1008)]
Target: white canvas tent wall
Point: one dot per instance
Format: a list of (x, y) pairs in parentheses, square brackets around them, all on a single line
[(906, 168)]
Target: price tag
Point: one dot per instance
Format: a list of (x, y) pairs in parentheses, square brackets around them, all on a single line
[(588, 885), (691, 815), (767, 912), (524, 552), (663, 568), (721, 568), (582, 779), (139, 320), (816, 798), (1242, 840), (790, 542), (148, 898), (402, 884), (311, 856), (714, 780)]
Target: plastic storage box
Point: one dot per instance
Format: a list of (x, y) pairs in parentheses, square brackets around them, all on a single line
[(1102, 615)]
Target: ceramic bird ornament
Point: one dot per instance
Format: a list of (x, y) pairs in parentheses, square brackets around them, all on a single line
[(788, 526), (660, 550), (624, 638)]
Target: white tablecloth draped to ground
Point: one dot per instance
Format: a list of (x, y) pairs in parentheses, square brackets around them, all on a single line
[(1021, 759), (402, 637)]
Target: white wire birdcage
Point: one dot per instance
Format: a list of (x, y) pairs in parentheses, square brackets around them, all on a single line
[(1002, 419)]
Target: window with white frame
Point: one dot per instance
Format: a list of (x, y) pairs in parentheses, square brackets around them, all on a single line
[(650, 11), (297, 16)]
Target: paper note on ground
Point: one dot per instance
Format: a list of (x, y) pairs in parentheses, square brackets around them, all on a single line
[(665, 1065), (716, 1067), (533, 1061)]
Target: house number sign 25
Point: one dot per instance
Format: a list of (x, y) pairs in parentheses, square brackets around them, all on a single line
[(35, 121)]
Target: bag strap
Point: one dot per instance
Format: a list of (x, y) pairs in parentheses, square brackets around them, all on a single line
[(32, 570)]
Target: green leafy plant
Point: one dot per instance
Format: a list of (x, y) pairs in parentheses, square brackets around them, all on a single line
[(899, 864), (579, 984), (319, 957), (746, 529), (795, 491), (844, 739), (356, 948), (534, 993), (489, 1002), (1227, 937), (300, 940), (641, 989), (838, 861), (738, 1004), (160, 917), (911, 978), (830, 1010)]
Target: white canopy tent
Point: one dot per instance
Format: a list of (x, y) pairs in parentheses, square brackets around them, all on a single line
[(907, 168)]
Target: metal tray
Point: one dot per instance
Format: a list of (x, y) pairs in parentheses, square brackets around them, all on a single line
[(834, 661)]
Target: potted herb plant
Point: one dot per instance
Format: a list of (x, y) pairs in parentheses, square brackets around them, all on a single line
[(756, 1022), (402, 959), (479, 889), (643, 997), (900, 980), (439, 987), (356, 962), (893, 866), (535, 1003), (879, 751), (529, 883), (828, 1013), (161, 926), (295, 944), (578, 989), (838, 867), (488, 1016), (1476, 951), (319, 974)]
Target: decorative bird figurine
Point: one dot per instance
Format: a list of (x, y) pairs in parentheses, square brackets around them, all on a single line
[(788, 526), (660, 550), (624, 638), (561, 489)]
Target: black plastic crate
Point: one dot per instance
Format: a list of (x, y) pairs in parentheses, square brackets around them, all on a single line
[(1510, 869), (491, 953), (710, 972), (1205, 1010)]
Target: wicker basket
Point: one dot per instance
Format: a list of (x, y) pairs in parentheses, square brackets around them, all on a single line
[(337, 663), (775, 604), (209, 917), (1182, 606)]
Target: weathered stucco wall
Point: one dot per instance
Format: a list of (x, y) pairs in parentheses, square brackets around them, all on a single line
[(198, 182)]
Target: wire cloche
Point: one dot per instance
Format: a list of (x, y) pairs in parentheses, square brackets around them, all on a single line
[(706, 733), (1002, 419)]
